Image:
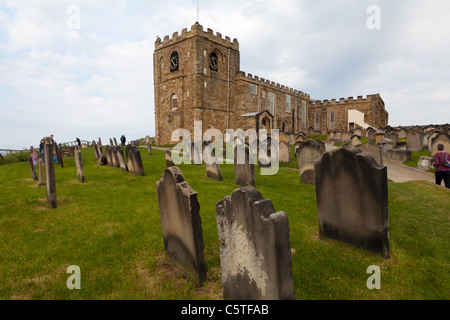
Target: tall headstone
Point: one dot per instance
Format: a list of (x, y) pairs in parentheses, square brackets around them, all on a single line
[(149, 148), (414, 141), (41, 173), (59, 155), (244, 171), (79, 164), (50, 172), (32, 168), (129, 155), (121, 158), (352, 199), (137, 161), (308, 153), (284, 152), (94, 146), (181, 224), (255, 252)]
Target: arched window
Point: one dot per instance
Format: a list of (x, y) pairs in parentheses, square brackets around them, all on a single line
[(174, 61), (213, 62), (174, 102)]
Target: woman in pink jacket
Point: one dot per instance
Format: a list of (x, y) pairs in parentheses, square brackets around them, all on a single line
[(440, 163)]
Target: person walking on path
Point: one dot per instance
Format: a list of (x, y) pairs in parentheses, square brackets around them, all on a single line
[(441, 160)]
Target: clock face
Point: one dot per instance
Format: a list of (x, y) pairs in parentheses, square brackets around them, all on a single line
[(174, 61), (213, 62)]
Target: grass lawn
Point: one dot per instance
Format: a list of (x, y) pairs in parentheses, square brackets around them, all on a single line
[(110, 228)]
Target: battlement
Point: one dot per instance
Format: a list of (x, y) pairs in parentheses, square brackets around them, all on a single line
[(196, 30), (343, 101), (241, 75)]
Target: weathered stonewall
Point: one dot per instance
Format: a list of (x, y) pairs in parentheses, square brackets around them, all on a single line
[(32, 168), (255, 252), (181, 224), (308, 153), (50, 172), (168, 155), (244, 172), (79, 164), (352, 199)]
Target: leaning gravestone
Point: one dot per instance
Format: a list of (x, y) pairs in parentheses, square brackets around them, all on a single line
[(244, 171), (32, 168), (129, 156), (136, 160), (149, 148), (255, 252), (79, 164), (94, 146), (102, 161), (352, 199), (308, 153), (50, 172), (121, 158), (181, 224)]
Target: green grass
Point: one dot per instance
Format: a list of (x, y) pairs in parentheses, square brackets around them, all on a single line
[(110, 227)]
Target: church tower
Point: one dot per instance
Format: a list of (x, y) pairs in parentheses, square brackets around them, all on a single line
[(194, 75)]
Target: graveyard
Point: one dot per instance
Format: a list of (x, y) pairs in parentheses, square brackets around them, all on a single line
[(109, 224)]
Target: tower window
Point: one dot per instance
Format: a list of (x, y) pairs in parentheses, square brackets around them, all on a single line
[(213, 62), (174, 61), (332, 120), (317, 121), (174, 101)]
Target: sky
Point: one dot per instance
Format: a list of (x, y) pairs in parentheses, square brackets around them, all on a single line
[(84, 69)]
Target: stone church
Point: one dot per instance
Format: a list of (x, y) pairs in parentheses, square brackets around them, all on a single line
[(197, 77)]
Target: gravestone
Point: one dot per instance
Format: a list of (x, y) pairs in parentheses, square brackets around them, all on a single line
[(399, 155), (402, 133), (373, 150), (121, 159), (59, 155), (196, 157), (255, 252), (108, 155), (94, 146), (393, 137), (414, 141), (149, 148), (168, 155), (79, 164), (264, 152), (386, 144), (115, 142), (352, 199), (136, 161), (41, 174), (212, 164), (441, 138), (355, 140), (50, 172), (425, 163), (244, 171), (129, 156), (181, 224), (32, 168), (308, 153), (284, 152), (102, 161), (346, 137)]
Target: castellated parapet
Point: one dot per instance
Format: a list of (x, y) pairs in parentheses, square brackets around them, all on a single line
[(343, 101), (248, 77), (197, 30)]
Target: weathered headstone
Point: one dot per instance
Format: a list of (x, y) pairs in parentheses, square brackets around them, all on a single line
[(121, 158), (50, 172), (373, 150), (385, 144), (108, 155), (308, 153), (136, 161), (96, 153), (32, 168), (212, 164), (129, 156), (393, 137), (149, 148), (352, 199), (59, 155), (115, 142), (355, 140), (347, 137), (168, 156), (79, 164), (414, 141), (181, 224), (425, 163), (255, 252), (244, 171), (41, 173), (284, 152), (441, 138), (102, 161)]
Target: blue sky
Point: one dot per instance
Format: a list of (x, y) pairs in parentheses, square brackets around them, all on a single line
[(89, 72)]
